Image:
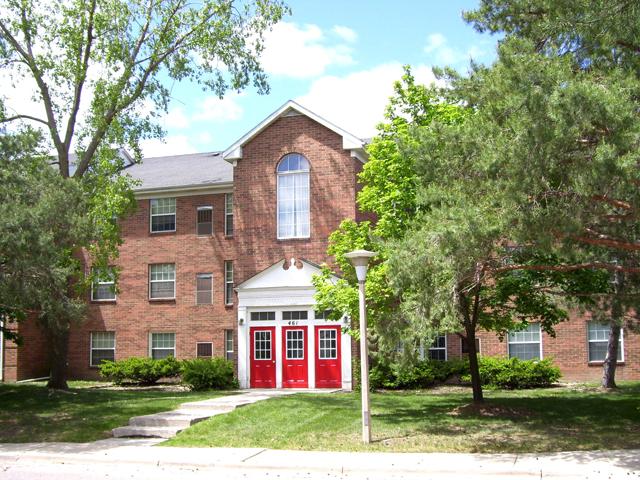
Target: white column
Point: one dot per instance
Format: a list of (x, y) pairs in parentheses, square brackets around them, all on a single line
[(347, 380), (311, 355), (243, 347), (278, 351)]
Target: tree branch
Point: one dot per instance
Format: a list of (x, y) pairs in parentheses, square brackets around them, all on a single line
[(26, 117), (567, 268)]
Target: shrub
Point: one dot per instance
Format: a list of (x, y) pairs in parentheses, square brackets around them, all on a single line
[(201, 374), (422, 374), (512, 373), (139, 370)]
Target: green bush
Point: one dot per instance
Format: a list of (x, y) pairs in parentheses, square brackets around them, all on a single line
[(140, 370), (201, 374), (422, 374), (496, 372), (512, 373)]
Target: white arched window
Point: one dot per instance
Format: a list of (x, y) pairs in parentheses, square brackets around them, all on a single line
[(293, 196)]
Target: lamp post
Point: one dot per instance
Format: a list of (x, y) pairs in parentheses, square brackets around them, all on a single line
[(360, 260)]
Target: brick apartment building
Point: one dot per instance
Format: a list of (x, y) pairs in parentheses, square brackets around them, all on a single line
[(218, 259)]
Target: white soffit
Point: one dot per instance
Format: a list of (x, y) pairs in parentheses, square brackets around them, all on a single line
[(291, 108)]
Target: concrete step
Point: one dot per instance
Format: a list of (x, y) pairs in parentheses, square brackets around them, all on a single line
[(207, 406), (165, 419), (138, 431)]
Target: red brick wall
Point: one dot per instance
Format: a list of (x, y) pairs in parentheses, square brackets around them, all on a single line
[(253, 248), (332, 186), (31, 359), (568, 350), (133, 316)]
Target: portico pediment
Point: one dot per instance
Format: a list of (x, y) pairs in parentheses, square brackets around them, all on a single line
[(293, 273)]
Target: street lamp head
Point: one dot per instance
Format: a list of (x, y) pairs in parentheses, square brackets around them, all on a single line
[(360, 260)]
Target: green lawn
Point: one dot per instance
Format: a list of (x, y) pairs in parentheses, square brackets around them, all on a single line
[(553, 419), (30, 413)]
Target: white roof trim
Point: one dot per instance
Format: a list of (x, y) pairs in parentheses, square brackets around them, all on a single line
[(275, 277), (349, 141)]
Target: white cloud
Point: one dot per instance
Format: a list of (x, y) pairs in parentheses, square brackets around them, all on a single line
[(171, 145), (442, 53), (356, 101), (301, 52), (176, 118), (212, 108), (345, 33)]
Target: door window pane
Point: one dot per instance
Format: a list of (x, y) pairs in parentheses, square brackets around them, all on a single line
[(295, 344), (328, 343), (262, 345)]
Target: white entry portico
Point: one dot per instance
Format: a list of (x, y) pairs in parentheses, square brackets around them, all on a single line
[(282, 341)]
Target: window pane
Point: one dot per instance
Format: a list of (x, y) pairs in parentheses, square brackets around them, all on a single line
[(98, 356), (438, 354), (162, 290), (163, 223), (293, 197), (295, 344), (103, 346), (299, 315), (328, 344), (525, 351), (160, 206), (204, 350), (228, 342), (263, 316), (204, 285), (228, 217), (163, 271), (205, 221)]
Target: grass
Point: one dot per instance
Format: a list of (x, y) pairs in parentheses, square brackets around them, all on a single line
[(31, 413), (556, 419)]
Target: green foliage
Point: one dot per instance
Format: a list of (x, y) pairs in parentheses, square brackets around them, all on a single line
[(512, 373), (140, 370), (422, 374), (495, 372), (207, 374)]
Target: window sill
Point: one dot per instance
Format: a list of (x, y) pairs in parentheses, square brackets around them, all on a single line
[(164, 232), (162, 300), (228, 237), (293, 239), (599, 363), (103, 302)]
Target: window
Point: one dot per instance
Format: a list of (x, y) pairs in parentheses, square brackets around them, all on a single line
[(204, 289), (204, 349), (525, 344), (103, 287), (204, 224), (162, 281), (103, 347), (163, 215), (228, 214), (262, 345), (293, 196), (299, 315), (465, 345), (328, 343), (228, 344), (598, 335), (438, 349), (262, 316), (228, 282), (163, 345), (295, 345), (324, 315)]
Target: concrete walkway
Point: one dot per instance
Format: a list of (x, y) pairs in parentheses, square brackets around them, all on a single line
[(122, 458), (168, 424)]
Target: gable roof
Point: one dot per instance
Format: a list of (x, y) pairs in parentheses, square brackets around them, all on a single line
[(349, 141), (277, 277), (190, 171)]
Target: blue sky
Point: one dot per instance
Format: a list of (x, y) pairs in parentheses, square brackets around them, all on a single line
[(337, 58)]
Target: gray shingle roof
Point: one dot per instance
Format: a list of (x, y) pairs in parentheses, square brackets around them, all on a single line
[(193, 169)]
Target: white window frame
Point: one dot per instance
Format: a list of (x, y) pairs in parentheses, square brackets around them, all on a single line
[(303, 339), (151, 214), (151, 348), (202, 209), (204, 275), (228, 300), (539, 342), (99, 282), (91, 349), (620, 346), (163, 281), (445, 348), (292, 173), (255, 344), (228, 338), (228, 214), (320, 339), (204, 343)]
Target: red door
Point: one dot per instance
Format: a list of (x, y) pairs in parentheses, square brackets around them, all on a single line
[(263, 357), (328, 359), (294, 357)]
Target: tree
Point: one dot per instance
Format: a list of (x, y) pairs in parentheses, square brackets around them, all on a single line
[(388, 191), (97, 67), (592, 55)]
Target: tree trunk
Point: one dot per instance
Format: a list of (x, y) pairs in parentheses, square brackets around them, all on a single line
[(476, 385), (58, 358), (611, 360)]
